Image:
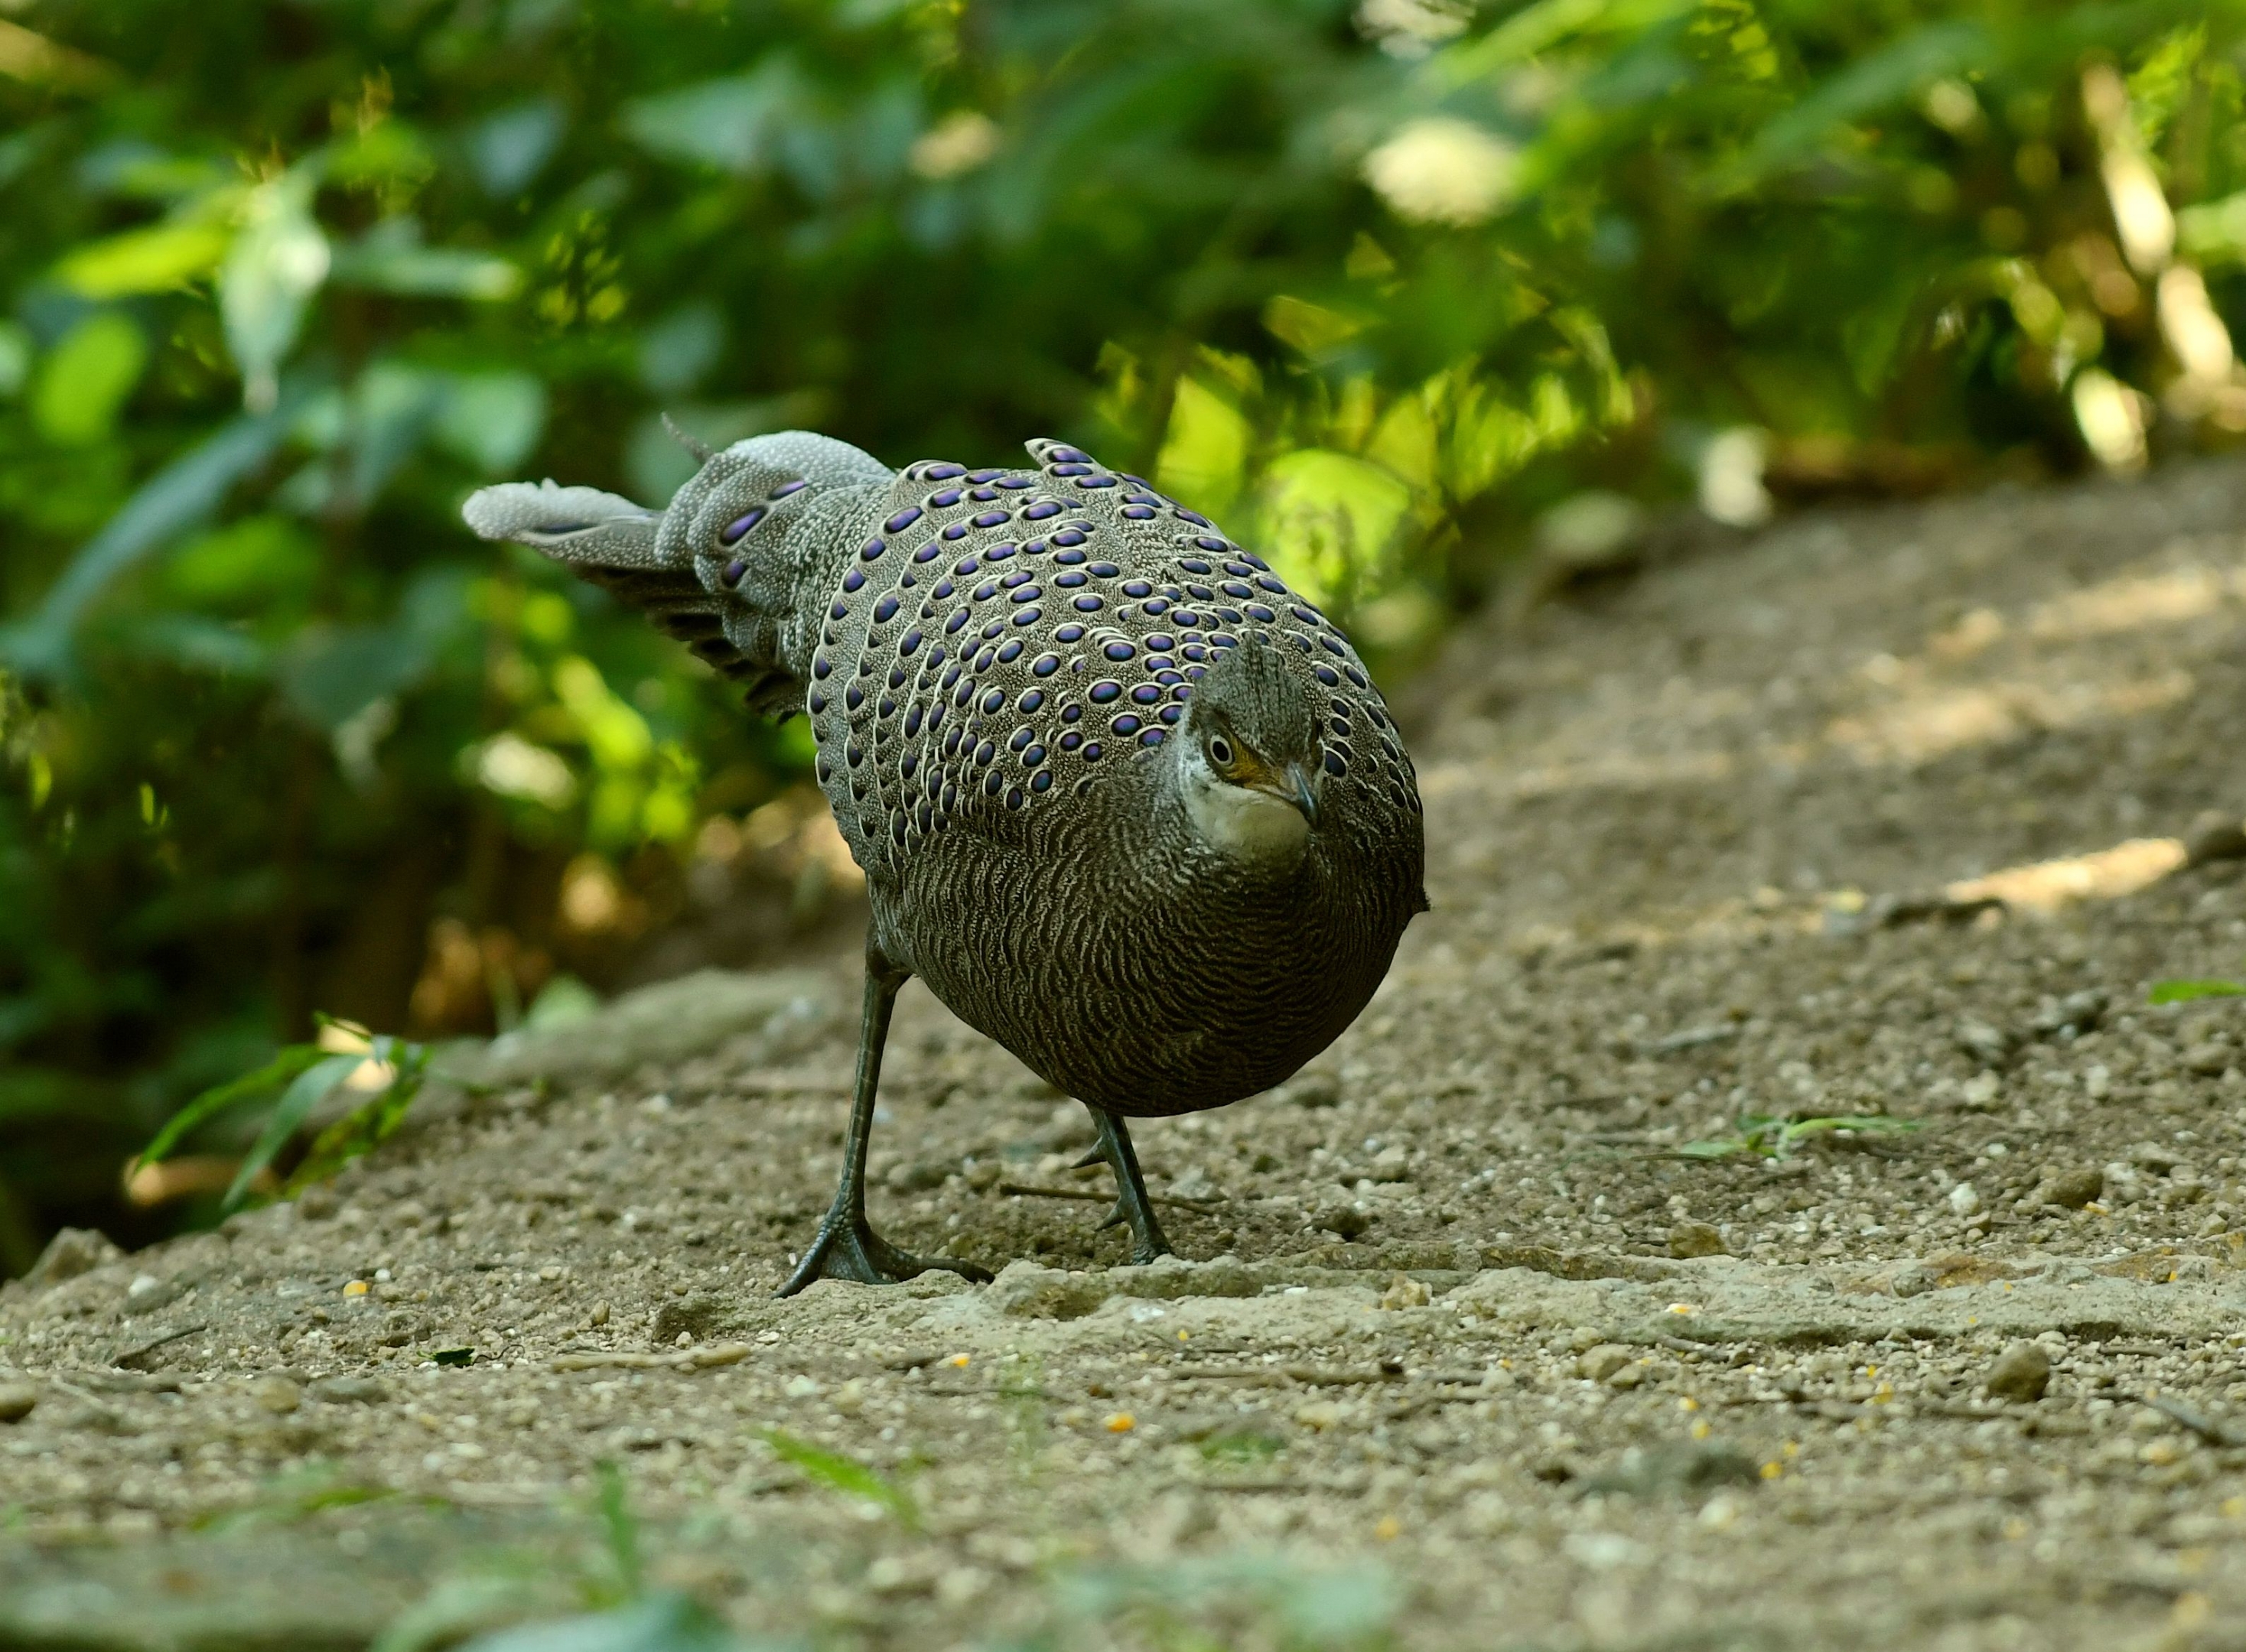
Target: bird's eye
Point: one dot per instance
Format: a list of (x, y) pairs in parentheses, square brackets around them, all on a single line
[(1220, 752)]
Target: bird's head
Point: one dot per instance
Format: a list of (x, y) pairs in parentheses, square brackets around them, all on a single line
[(1249, 755)]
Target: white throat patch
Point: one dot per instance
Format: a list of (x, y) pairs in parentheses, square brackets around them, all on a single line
[(1239, 821)]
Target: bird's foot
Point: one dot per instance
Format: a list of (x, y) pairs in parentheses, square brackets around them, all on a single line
[(1134, 1208), (848, 1248)]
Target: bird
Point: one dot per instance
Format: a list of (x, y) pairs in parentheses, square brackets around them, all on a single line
[(1127, 803)]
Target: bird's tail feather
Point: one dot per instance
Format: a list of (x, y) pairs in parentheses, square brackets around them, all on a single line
[(617, 545)]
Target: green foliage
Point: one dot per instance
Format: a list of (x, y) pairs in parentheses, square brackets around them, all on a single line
[(844, 1474), (1765, 1136), (2189, 992), (1384, 282), (306, 1075)]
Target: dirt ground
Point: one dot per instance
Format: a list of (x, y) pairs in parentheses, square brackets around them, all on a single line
[(1468, 1353)]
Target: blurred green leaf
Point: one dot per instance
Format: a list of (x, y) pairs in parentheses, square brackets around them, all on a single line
[(155, 260), (2190, 991), (277, 262), (86, 377)]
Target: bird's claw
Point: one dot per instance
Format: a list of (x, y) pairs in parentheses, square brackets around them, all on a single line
[(848, 1248)]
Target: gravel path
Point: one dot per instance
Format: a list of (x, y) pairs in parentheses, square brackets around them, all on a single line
[(1486, 1342)]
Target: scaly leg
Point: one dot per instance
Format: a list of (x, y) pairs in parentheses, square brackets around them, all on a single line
[(1132, 1204), (847, 1247)]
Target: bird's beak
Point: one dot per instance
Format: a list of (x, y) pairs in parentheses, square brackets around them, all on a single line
[(1299, 792)]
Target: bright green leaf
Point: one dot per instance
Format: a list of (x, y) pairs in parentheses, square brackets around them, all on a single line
[(86, 377)]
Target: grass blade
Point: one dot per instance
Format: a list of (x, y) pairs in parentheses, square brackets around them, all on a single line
[(283, 1069), (305, 1092)]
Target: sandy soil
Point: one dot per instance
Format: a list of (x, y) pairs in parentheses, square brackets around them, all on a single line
[(1478, 1347)]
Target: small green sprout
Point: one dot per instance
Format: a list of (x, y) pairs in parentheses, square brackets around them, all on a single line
[(1767, 1136), (305, 1075), (844, 1474)]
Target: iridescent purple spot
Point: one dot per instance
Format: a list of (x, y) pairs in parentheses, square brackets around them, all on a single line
[(731, 533), (1171, 713), (1194, 651), (1068, 456), (1118, 651), (998, 553), (926, 553), (1041, 780), (1091, 752), (1355, 676), (1035, 547), (840, 611), (1032, 757), (1028, 616), (1234, 588), (872, 549), (886, 609), (1152, 737), (1087, 604), (820, 666), (1200, 593), (1335, 764), (1144, 694), (1332, 645), (1071, 713), (853, 696), (818, 703), (993, 700), (982, 660), (1257, 611), (1328, 675), (1096, 481), (912, 720), (991, 519), (956, 531), (1158, 605), (1071, 580), (993, 628), (1030, 700), (1271, 585), (1194, 565), (1305, 615), (1014, 799), (1070, 633), (1137, 513), (903, 520), (1071, 469), (824, 772), (907, 642), (1137, 588), (1071, 740), (1045, 664), (1039, 511), (786, 488), (1106, 689), (954, 621), (1015, 576), (1070, 536), (1103, 570), (1195, 517), (984, 494), (982, 475), (910, 765), (1010, 652), (854, 753), (944, 588), (733, 572), (1070, 558), (944, 500), (1027, 593), (1125, 724)]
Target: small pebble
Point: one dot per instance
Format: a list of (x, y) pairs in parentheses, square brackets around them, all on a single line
[(17, 1400), (1403, 1291), (278, 1395), (1690, 1239), (1600, 1364), (2022, 1372), (2071, 1189), (1965, 1200), (600, 1314)]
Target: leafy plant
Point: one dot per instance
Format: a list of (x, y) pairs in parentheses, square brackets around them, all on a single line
[(1765, 1136), (306, 1075)]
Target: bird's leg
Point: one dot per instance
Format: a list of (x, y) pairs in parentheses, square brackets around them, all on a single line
[(847, 1247), (1132, 1204)]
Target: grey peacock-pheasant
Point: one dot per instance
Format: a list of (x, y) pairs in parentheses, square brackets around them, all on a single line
[(1126, 803)]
